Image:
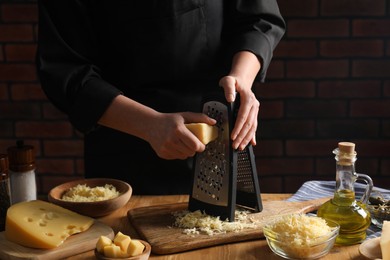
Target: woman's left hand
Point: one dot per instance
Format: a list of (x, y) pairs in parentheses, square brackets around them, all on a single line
[(244, 131)]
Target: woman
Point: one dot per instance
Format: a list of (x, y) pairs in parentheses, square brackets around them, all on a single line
[(130, 74)]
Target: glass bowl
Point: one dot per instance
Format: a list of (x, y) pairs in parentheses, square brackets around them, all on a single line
[(317, 248)]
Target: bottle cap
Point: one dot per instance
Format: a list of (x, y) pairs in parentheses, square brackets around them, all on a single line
[(347, 147), (21, 157)]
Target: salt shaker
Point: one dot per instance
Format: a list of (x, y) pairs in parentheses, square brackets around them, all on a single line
[(5, 200), (22, 172)]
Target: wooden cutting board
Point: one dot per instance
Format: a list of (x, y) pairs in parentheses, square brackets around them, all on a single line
[(74, 245), (154, 224)]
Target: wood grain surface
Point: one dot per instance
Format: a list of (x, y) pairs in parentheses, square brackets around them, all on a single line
[(74, 245), (154, 224)]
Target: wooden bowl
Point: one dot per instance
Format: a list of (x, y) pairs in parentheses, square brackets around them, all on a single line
[(144, 256), (92, 209)]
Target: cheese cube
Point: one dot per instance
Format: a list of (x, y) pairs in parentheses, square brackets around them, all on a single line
[(135, 248), (112, 251), (103, 242), (122, 241), (385, 240), (204, 132), (40, 224)]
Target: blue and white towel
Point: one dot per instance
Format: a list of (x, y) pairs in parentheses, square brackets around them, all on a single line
[(318, 189)]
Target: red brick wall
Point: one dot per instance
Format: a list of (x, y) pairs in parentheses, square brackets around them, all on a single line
[(329, 82)]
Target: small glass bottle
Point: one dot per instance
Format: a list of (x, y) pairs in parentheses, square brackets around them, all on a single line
[(5, 200), (343, 208), (22, 172)]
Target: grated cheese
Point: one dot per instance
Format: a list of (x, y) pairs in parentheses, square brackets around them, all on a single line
[(198, 222), (296, 234), (84, 193)]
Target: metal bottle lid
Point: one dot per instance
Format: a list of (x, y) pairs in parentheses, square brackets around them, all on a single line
[(21, 157)]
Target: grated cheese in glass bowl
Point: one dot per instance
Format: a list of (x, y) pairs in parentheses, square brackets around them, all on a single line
[(299, 236)]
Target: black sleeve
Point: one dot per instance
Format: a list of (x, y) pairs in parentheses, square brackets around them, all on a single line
[(66, 63), (256, 26)]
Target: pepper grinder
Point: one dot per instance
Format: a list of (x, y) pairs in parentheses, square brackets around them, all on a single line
[(5, 200), (22, 172)]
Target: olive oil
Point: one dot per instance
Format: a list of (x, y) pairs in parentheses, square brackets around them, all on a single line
[(343, 208)]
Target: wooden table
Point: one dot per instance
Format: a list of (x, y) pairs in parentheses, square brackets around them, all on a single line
[(257, 249)]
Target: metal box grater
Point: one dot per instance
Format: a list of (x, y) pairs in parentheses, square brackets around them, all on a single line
[(224, 178)]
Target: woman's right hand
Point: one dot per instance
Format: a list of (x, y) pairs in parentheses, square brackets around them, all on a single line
[(171, 139)]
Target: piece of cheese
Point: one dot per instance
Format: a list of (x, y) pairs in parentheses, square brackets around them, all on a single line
[(103, 242), (135, 248), (40, 224), (204, 132), (385, 240), (113, 251), (122, 241)]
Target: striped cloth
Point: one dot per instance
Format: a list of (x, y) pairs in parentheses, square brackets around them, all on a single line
[(318, 189)]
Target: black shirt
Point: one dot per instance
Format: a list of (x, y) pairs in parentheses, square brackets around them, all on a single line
[(163, 53)]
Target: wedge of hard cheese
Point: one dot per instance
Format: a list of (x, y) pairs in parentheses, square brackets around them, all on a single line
[(205, 133), (385, 240), (40, 224)]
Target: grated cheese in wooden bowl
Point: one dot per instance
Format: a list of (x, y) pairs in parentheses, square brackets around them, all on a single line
[(198, 222), (84, 193)]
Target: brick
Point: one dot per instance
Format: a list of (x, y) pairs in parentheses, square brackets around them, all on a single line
[(351, 48), (56, 166), (4, 95), (300, 8), (17, 72), (64, 148), (296, 49), (371, 27), (316, 108), (388, 47), (382, 182), (286, 89), (317, 69), (270, 184), (318, 28), (18, 110), (27, 92), (310, 147), (326, 166), (385, 169), (20, 52), (51, 112), (42, 129), (348, 128), (371, 148), (271, 109), (6, 128), (353, 8), (19, 12), (386, 88), (386, 128), (268, 148), (287, 128), (371, 68), (80, 167), (275, 70), (349, 88), (16, 33), (370, 108), (286, 166), (1, 53)]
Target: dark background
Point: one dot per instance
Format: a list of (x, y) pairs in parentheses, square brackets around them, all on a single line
[(329, 81)]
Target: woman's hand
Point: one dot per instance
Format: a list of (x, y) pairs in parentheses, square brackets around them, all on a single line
[(171, 139), (244, 131), (245, 67)]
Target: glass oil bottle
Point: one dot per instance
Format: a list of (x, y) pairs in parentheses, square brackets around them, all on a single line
[(343, 208)]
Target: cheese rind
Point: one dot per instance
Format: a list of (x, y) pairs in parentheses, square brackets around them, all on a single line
[(40, 224), (385, 240), (204, 132)]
